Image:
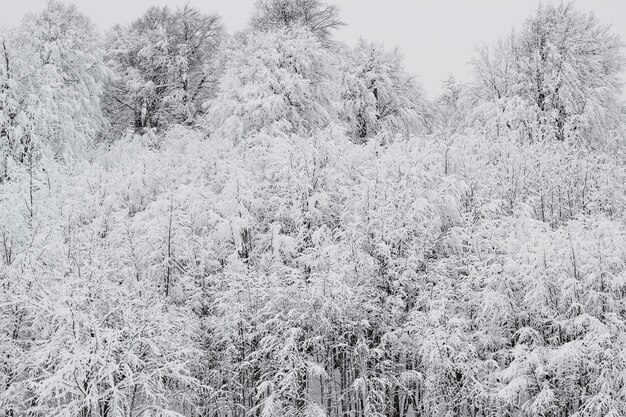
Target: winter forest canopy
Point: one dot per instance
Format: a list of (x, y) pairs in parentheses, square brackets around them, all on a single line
[(272, 223)]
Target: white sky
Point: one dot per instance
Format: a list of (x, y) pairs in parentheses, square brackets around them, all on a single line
[(437, 37)]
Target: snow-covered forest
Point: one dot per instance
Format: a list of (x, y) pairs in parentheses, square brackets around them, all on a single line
[(273, 223)]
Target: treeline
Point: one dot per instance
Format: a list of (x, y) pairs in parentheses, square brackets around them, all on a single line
[(272, 223)]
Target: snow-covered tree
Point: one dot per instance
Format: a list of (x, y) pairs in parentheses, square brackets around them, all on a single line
[(558, 76), (275, 82), (320, 18), (51, 84), (163, 67), (378, 97)]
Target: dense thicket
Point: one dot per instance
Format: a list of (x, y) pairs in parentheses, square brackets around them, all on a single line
[(301, 233)]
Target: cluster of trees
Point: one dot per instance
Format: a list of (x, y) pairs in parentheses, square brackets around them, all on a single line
[(272, 223)]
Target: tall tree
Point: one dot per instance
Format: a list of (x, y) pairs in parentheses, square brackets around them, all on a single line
[(274, 82), (163, 67), (321, 19), (559, 75), (50, 86), (378, 96)]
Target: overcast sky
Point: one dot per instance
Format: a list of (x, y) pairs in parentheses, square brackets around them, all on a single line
[(437, 37)]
